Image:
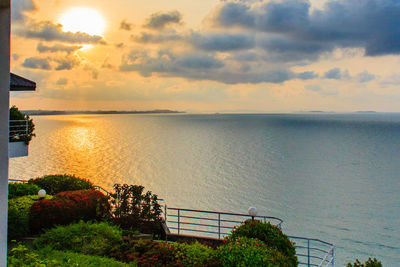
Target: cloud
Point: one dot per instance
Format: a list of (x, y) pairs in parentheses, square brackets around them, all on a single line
[(57, 48), (307, 75), (19, 8), (37, 63), (66, 63), (49, 31), (203, 66), (160, 20), (365, 77), (335, 74), (62, 81), (124, 25), (146, 37), (222, 41), (369, 24)]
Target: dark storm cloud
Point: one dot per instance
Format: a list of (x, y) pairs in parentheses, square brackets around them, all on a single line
[(160, 20), (66, 63), (369, 24), (49, 31), (37, 63), (336, 74)]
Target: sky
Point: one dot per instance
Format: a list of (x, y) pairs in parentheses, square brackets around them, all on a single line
[(208, 55)]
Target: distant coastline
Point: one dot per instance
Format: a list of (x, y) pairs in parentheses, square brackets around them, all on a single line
[(73, 112)]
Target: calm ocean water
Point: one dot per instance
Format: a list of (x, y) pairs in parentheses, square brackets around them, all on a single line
[(335, 177)]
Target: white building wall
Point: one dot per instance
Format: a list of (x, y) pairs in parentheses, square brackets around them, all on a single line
[(4, 106)]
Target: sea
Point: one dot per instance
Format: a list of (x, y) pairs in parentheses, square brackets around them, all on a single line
[(335, 177)]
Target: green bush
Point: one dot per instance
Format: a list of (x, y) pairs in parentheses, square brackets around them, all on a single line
[(15, 114), (67, 207), (22, 189), (54, 184), (22, 256), (83, 237), (46, 257), (18, 215), (132, 208), (369, 263), (68, 258), (250, 252), (145, 253), (194, 254), (271, 235)]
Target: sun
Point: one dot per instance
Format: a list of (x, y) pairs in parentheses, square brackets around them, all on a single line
[(82, 19)]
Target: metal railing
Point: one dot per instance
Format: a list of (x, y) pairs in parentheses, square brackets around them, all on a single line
[(17, 129), (209, 223), (212, 224), (313, 252), (309, 251)]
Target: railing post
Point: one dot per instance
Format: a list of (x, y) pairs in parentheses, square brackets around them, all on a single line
[(308, 252), (26, 126), (219, 225), (333, 256), (165, 213), (179, 220)]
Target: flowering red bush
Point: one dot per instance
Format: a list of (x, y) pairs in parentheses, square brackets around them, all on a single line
[(67, 207)]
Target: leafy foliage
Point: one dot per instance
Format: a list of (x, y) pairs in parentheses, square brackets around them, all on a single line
[(47, 257), (18, 215), (54, 184), (15, 114), (145, 253), (22, 189), (83, 237), (22, 256), (271, 235), (194, 254), (369, 263), (251, 252), (67, 207), (132, 208)]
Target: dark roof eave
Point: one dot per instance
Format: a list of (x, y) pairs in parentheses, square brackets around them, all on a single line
[(18, 83)]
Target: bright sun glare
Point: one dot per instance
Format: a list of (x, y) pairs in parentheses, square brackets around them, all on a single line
[(80, 19)]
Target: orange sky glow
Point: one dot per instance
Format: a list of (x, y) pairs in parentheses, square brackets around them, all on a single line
[(207, 56)]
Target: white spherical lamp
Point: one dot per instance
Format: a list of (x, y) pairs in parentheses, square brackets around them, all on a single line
[(252, 212), (42, 193)]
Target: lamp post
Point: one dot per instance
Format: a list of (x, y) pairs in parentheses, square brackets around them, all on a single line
[(42, 193), (252, 212)]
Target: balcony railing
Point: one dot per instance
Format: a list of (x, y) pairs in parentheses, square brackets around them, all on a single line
[(309, 251), (17, 130)]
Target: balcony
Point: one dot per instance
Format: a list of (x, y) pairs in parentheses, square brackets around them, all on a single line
[(18, 138)]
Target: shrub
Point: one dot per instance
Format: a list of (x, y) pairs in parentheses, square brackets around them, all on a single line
[(145, 253), (54, 184), (67, 207), (250, 252), (22, 256), (271, 235), (68, 258), (132, 208), (368, 263), (18, 215), (22, 189), (15, 114), (83, 237), (194, 254)]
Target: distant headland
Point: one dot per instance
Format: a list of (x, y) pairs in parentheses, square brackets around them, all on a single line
[(71, 112)]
